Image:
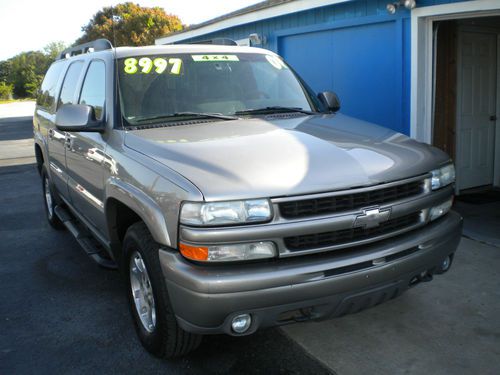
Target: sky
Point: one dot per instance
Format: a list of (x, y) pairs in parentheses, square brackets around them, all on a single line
[(27, 25)]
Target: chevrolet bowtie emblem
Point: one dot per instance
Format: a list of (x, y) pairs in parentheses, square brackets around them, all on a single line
[(372, 217)]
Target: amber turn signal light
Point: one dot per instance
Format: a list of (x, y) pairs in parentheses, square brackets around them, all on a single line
[(194, 252)]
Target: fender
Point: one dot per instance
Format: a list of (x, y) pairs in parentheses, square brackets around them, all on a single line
[(38, 137), (42, 143), (142, 205)]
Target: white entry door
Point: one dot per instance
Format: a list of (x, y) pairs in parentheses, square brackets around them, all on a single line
[(476, 94)]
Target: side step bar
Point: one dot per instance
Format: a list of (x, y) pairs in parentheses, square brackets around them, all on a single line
[(93, 249)]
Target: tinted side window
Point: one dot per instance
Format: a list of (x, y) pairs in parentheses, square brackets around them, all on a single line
[(69, 85), (94, 88), (46, 97)]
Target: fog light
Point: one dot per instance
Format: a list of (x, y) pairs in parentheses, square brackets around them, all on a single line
[(241, 323), (440, 210)]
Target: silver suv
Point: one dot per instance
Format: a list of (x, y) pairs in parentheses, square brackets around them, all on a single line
[(229, 194)]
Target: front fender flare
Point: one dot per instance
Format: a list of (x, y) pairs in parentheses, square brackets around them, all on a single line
[(142, 205)]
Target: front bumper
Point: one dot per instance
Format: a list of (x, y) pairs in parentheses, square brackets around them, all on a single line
[(205, 298)]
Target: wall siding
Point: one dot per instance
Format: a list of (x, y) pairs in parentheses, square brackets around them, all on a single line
[(383, 98)]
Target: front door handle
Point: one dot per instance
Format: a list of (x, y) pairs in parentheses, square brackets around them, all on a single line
[(68, 142)]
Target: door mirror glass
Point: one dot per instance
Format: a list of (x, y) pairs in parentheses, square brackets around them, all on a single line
[(330, 100), (77, 118)]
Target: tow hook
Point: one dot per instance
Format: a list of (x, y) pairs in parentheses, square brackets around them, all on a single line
[(426, 276), (423, 277)]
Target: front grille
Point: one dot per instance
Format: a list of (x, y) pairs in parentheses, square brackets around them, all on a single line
[(339, 237), (329, 205)]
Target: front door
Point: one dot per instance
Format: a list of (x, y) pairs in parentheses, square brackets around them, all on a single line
[(85, 156), (476, 89)]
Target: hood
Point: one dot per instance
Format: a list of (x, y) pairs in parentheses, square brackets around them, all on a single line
[(266, 157)]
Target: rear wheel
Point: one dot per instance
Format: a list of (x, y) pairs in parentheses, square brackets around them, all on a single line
[(149, 303), (49, 201)]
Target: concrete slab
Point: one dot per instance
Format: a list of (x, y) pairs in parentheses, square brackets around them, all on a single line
[(17, 152), (16, 133), (448, 326), (17, 109), (481, 221)]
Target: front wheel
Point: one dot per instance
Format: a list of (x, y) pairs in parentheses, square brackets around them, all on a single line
[(149, 303)]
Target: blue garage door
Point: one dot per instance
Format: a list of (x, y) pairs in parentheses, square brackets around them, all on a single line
[(362, 64)]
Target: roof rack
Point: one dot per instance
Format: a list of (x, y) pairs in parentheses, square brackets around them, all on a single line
[(95, 45), (217, 41)]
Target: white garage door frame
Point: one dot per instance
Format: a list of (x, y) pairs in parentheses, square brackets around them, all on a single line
[(422, 63)]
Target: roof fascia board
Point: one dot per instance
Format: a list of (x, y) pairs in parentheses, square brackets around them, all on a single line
[(259, 15)]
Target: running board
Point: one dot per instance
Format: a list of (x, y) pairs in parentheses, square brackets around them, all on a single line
[(90, 245)]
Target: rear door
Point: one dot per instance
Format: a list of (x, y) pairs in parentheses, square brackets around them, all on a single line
[(85, 155), (45, 111), (57, 139)]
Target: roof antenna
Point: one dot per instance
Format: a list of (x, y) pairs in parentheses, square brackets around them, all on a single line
[(116, 18)]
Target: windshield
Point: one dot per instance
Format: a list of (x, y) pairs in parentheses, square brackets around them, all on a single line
[(160, 86)]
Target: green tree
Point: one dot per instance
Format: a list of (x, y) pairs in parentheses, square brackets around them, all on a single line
[(5, 69), (24, 72), (5, 91), (133, 25), (27, 71), (52, 50)]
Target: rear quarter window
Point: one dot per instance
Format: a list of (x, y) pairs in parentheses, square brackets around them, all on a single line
[(47, 95)]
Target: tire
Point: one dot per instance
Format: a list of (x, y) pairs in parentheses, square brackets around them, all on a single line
[(158, 330), (49, 201)]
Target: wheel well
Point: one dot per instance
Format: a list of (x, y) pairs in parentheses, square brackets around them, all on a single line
[(119, 217), (39, 158)]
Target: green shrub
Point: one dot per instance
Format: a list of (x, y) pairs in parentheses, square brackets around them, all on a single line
[(5, 91)]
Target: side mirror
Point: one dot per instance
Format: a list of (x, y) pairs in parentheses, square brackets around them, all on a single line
[(330, 100), (77, 118)]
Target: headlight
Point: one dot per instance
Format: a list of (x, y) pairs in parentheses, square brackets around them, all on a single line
[(443, 176), (229, 252), (224, 213)]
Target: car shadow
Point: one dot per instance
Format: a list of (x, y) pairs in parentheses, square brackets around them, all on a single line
[(64, 314), (16, 128)]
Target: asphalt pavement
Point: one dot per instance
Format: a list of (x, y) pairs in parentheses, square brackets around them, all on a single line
[(61, 313)]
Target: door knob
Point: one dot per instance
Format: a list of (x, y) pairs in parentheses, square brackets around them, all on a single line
[(493, 118)]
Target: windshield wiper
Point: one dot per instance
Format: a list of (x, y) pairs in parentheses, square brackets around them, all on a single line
[(273, 109), (188, 114)]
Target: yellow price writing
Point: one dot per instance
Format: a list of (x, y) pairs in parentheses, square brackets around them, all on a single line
[(145, 65), (160, 65), (130, 66)]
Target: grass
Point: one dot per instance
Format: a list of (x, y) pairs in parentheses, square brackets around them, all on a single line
[(5, 101)]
